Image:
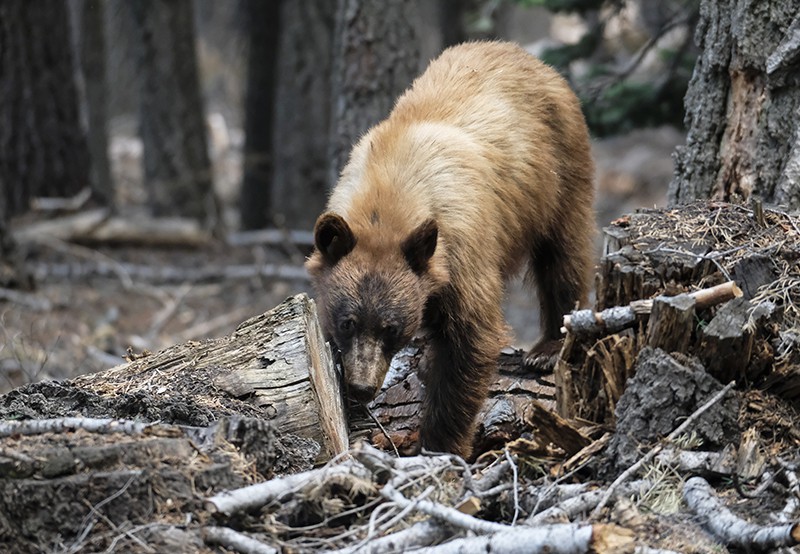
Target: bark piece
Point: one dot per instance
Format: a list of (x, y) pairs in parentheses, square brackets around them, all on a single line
[(662, 392), (727, 341)]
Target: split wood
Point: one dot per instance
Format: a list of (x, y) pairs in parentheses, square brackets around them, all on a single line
[(615, 319), (729, 528)]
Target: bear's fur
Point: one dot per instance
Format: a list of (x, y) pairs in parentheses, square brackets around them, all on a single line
[(483, 163)]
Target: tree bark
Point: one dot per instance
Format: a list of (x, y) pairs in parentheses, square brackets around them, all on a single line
[(91, 49), (302, 124), (263, 30), (743, 105), (177, 169), (43, 150), (375, 58)]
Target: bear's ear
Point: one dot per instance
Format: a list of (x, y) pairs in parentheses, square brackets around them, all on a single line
[(333, 237), (420, 246)]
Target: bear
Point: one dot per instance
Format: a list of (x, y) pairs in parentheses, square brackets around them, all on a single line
[(483, 164)]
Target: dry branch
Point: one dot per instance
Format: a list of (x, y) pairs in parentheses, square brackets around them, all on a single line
[(617, 318), (731, 529), (70, 424), (233, 540), (556, 539)]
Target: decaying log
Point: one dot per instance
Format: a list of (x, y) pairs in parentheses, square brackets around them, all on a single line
[(275, 367), (731, 529), (505, 415)]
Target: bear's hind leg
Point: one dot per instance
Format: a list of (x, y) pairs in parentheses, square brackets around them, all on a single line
[(560, 269)]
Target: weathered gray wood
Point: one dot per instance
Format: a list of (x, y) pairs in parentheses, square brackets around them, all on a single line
[(278, 363)]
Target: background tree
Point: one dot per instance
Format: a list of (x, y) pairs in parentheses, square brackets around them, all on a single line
[(177, 169), (375, 58), (255, 199), (43, 150), (303, 121), (743, 105), (88, 17)]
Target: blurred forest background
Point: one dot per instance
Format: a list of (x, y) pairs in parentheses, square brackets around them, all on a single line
[(235, 116)]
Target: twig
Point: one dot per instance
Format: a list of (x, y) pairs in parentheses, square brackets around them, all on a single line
[(555, 539), (682, 428), (583, 502), (423, 533), (382, 428), (516, 486), (88, 522), (233, 540), (731, 529), (450, 515)]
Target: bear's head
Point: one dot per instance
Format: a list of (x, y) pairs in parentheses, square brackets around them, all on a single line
[(371, 293)]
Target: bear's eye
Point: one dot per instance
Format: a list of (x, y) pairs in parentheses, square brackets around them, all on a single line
[(347, 326)]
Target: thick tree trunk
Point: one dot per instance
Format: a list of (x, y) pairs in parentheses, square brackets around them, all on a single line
[(90, 19), (743, 105), (263, 30), (303, 122), (177, 169), (375, 59), (43, 149)]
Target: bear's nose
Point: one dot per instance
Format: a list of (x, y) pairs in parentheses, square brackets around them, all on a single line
[(361, 393)]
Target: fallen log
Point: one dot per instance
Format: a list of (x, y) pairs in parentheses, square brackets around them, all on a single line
[(275, 367)]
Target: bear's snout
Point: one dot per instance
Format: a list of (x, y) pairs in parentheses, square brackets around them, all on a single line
[(361, 393)]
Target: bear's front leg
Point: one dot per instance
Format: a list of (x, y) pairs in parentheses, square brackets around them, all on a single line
[(463, 361)]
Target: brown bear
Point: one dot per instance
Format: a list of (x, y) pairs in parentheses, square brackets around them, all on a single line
[(483, 163)]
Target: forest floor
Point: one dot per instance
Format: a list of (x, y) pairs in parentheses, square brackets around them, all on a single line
[(95, 306)]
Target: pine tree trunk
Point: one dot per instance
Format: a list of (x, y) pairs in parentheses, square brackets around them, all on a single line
[(743, 105), (92, 53), (303, 121), (43, 149), (375, 59), (263, 29), (177, 169)]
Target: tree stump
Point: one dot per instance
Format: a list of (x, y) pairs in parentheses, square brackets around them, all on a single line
[(658, 284)]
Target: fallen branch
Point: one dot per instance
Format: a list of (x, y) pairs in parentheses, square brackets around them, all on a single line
[(556, 539), (611, 320), (261, 494), (166, 274), (69, 424), (682, 428), (420, 534), (731, 529), (573, 506), (233, 540)]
